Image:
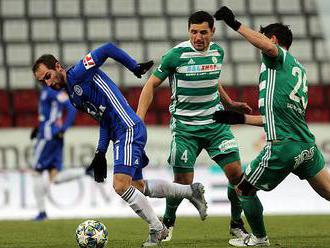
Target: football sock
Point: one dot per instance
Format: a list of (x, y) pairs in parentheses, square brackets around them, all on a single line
[(172, 205), (139, 203), (68, 175), (253, 211), (40, 189), (158, 188), (235, 203)]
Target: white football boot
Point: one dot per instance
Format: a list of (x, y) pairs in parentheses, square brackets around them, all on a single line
[(250, 240), (155, 237)]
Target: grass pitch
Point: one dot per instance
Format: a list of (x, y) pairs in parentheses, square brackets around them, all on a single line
[(284, 232)]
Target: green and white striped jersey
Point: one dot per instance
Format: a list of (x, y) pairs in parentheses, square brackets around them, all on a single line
[(283, 98), (193, 77)]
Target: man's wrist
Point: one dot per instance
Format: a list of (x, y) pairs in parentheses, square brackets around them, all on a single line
[(235, 25)]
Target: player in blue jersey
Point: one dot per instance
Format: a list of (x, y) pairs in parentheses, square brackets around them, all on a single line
[(93, 92), (48, 149)]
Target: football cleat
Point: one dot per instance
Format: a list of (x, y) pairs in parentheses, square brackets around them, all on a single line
[(170, 234), (237, 229), (198, 199), (155, 237), (250, 240), (41, 216)]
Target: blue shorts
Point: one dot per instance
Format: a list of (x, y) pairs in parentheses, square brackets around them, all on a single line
[(128, 152), (48, 154)]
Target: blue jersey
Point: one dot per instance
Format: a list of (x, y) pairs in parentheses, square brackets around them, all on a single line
[(93, 92), (52, 104)]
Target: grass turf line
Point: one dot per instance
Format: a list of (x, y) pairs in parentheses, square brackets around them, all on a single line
[(305, 231)]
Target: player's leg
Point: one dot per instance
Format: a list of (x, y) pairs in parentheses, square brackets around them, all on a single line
[(315, 171), (253, 211), (45, 155), (231, 165), (223, 148), (127, 159), (183, 154), (321, 183), (159, 188), (269, 169)]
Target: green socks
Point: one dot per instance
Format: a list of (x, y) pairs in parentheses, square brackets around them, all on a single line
[(235, 203), (253, 211), (172, 205)]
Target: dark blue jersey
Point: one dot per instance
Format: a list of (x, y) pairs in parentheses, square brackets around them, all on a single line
[(52, 104), (93, 92)]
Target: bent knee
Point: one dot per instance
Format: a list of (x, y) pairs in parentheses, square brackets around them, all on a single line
[(244, 188), (120, 189)]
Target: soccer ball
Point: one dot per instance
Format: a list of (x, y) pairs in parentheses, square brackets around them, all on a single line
[(91, 234)]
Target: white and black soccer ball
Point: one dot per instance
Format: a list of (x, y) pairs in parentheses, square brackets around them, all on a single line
[(92, 234)]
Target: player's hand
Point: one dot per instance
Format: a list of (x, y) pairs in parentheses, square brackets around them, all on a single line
[(143, 68), (227, 15), (241, 107), (59, 135), (34, 133), (99, 165), (229, 117)]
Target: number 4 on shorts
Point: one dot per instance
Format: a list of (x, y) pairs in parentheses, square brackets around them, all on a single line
[(184, 156)]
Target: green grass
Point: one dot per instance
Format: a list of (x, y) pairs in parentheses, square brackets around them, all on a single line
[(284, 232)]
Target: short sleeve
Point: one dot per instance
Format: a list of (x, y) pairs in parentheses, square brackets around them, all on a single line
[(166, 66), (274, 62)]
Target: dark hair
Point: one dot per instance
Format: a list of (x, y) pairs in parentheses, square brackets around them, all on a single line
[(199, 17), (47, 59), (282, 32)]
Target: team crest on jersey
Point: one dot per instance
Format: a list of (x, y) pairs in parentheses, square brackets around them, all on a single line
[(214, 60), (88, 61), (191, 62), (78, 90)]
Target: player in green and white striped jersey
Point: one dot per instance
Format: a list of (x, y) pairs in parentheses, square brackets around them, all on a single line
[(282, 103), (193, 68)]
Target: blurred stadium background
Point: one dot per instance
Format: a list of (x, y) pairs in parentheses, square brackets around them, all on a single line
[(146, 29)]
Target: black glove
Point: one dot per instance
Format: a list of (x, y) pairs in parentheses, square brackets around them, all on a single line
[(229, 117), (34, 133), (143, 68), (59, 135), (99, 165), (225, 14)]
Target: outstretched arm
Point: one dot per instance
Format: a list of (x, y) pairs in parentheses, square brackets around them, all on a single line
[(147, 96), (101, 54), (232, 117), (257, 39)]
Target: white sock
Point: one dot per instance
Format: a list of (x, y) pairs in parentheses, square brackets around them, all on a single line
[(40, 190), (139, 203), (68, 175), (158, 188)]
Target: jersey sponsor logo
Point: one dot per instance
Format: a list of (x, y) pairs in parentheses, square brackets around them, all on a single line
[(200, 68), (88, 61), (304, 156), (295, 108), (228, 144), (136, 161), (78, 90)]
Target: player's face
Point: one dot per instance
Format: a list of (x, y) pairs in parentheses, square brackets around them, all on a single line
[(52, 78), (200, 35)]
